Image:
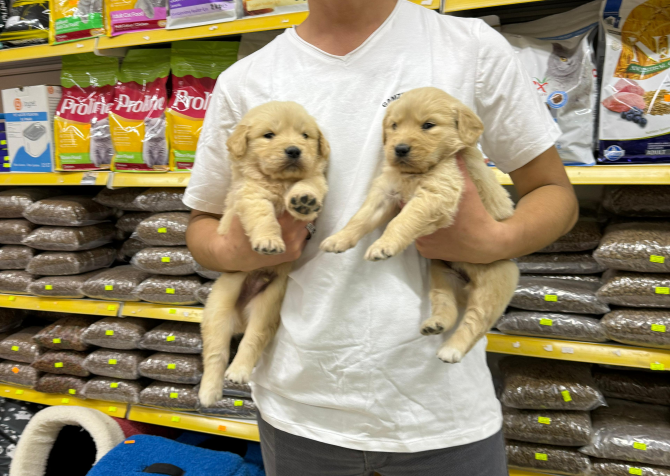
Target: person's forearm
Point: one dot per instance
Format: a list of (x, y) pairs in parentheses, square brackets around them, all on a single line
[(206, 245)]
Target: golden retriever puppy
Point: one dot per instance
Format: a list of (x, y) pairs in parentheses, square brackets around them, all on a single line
[(424, 131), (278, 158)]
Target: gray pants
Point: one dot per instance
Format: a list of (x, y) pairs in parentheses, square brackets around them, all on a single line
[(288, 455)]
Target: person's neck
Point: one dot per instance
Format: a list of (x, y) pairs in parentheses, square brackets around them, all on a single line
[(340, 26)]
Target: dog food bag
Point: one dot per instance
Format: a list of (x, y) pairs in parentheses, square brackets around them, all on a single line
[(115, 363), (195, 67), (164, 229), (232, 389), (61, 384), (539, 384), (76, 20), (126, 16), (174, 368), (137, 118), (231, 407), (28, 23), (15, 256), (20, 346), (550, 427), (552, 324), (644, 327), (271, 7), (67, 211), (117, 283), (174, 336), (114, 390), (123, 333), (547, 458), (169, 289), (130, 248), (628, 431), (60, 286), (559, 263), (646, 201), (120, 198), (81, 125), (569, 277), (606, 467), (637, 246), (634, 385), (170, 395), (13, 231), (161, 200), (14, 202), (15, 281), (635, 289), (64, 238), (63, 263), (19, 373), (635, 93), (584, 236), (558, 54), (206, 273), (184, 14), (69, 362), (129, 221), (66, 333), (174, 261), (557, 295), (202, 293)]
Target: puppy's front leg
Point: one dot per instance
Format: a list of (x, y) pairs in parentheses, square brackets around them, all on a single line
[(305, 198), (259, 219)]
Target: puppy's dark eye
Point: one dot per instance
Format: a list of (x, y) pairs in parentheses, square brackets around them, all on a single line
[(269, 135), (427, 125), (394, 126), (304, 134)]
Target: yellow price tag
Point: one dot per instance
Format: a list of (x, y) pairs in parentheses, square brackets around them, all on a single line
[(662, 290), (162, 230), (12, 298), (65, 400), (176, 419), (637, 471), (544, 420), (541, 456), (171, 366), (111, 308), (15, 348), (639, 446), (165, 259), (72, 391), (19, 392), (566, 395), (238, 403), (172, 311), (56, 341), (546, 322), (48, 287), (109, 332), (657, 259), (170, 338), (658, 327), (551, 297), (114, 385), (169, 291), (109, 287), (112, 361), (58, 365), (174, 395), (112, 409), (657, 366)]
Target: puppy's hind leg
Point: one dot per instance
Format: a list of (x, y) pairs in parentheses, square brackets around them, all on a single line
[(445, 287), (490, 290), (219, 322)]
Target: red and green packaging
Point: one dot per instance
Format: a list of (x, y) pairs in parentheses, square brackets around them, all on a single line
[(73, 20)]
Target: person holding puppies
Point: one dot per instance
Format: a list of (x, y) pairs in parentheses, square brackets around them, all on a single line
[(348, 385)]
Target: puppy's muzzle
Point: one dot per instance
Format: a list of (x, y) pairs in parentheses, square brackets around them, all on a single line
[(402, 153), (293, 153)]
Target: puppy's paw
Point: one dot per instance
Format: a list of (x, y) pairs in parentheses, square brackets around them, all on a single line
[(237, 374), (450, 355), (209, 395), (381, 250), (268, 246), (432, 327), (303, 205), (338, 243)]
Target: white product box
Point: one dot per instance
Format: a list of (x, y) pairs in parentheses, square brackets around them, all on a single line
[(29, 118)]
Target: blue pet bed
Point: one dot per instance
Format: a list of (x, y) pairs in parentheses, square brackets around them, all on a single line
[(156, 455)]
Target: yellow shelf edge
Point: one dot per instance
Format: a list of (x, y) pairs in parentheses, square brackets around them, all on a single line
[(166, 179), (55, 178), (596, 353), (162, 311), (519, 472), (45, 51), (610, 175), (195, 422), (458, 5), (75, 306), (28, 395)]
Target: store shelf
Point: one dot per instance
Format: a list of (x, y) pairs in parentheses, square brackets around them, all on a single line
[(55, 178), (168, 179), (518, 472), (246, 430), (611, 174), (45, 51), (608, 354), (457, 5), (75, 306), (27, 395), (162, 311)]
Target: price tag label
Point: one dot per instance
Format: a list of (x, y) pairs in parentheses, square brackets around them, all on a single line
[(174, 395), (658, 327), (19, 392), (112, 361), (56, 341), (114, 385), (171, 366), (546, 322), (657, 259), (12, 298), (58, 365), (162, 230), (176, 419), (72, 391), (165, 259), (169, 291), (109, 332), (15, 370), (65, 400), (662, 290), (544, 420), (111, 308), (172, 311), (551, 297), (109, 287), (566, 395), (541, 456), (657, 366), (238, 403), (112, 409), (15, 348), (640, 446), (48, 287), (170, 338), (637, 471)]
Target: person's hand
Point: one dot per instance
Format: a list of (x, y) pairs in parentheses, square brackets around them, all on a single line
[(474, 237)]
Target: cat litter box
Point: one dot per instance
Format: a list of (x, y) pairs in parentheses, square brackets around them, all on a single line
[(35, 139)]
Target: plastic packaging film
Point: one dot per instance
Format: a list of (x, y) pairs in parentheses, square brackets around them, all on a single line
[(164, 229), (635, 289), (206, 273), (114, 390), (643, 201), (123, 364), (15, 281), (66, 333), (20, 346), (129, 221), (586, 278), (240, 390), (121, 198), (584, 236), (69, 362), (552, 324), (67, 211), (14, 230), (170, 395), (557, 295), (559, 263), (174, 368), (605, 467), (173, 261), (63, 263), (158, 199), (14, 202), (637, 386), (173, 336), (169, 289), (231, 407), (121, 333), (551, 427), (19, 373), (52, 238), (637, 246), (202, 293), (16, 256), (547, 458), (643, 327), (61, 384), (130, 248), (117, 283), (61, 286)]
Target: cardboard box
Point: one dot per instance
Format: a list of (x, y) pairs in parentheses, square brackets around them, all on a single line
[(29, 116)]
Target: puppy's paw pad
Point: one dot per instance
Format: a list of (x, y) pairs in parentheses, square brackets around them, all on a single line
[(430, 328), (450, 355), (304, 204), (379, 252), (268, 246), (209, 396), (237, 376), (336, 244)]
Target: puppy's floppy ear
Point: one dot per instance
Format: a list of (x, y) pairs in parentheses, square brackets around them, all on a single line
[(470, 127), (237, 142), (324, 146)]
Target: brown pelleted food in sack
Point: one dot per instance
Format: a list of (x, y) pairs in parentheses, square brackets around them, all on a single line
[(129, 221), (174, 336), (130, 248), (122, 333), (559, 263), (15, 256), (19, 373), (552, 324), (206, 273), (114, 390), (70, 362), (634, 385), (63, 263), (164, 229), (203, 291), (61, 286), (20, 346), (637, 246), (66, 333), (170, 395), (13, 231), (63, 238), (607, 467), (539, 384), (174, 368), (67, 211), (584, 236), (557, 295), (115, 283), (631, 431), (61, 384), (624, 288), (15, 201), (551, 427), (547, 458), (229, 407), (231, 389), (115, 363), (586, 278), (121, 198), (10, 318), (158, 199), (645, 201), (169, 289), (175, 261), (15, 281), (644, 327)]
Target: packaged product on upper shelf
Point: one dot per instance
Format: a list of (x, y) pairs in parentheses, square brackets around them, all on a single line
[(123, 364), (634, 385), (547, 458), (129, 221), (184, 13), (635, 97), (164, 229), (64, 287), (231, 407), (69, 210), (551, 427), (552, 324), (206, 273), (130, 248), (72, 20), (636, 246), (171, 260), (66, 333), (270, 7), (557, 295), (19, 373), (121, 198), (170, 395), (644, 327), (157, 199), (61, 384), (15, 201), (635, 289), (128, 16), (69, 362), (176, 337), (20, 346), (64, 263), (114, 390), (202, 293), (15, 256), (169, 289), (174, 368), (69, 238)]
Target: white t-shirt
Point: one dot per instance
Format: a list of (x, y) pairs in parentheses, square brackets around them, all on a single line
[(348, 365)]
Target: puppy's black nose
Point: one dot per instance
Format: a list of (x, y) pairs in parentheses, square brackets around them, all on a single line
[(401, 150), (293, 152)]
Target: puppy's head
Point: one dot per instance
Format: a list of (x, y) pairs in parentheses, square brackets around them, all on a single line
[(426, 125), (281, 140)]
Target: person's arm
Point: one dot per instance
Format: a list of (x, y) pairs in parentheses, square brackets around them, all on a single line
[(233, 252), (547, 209)]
